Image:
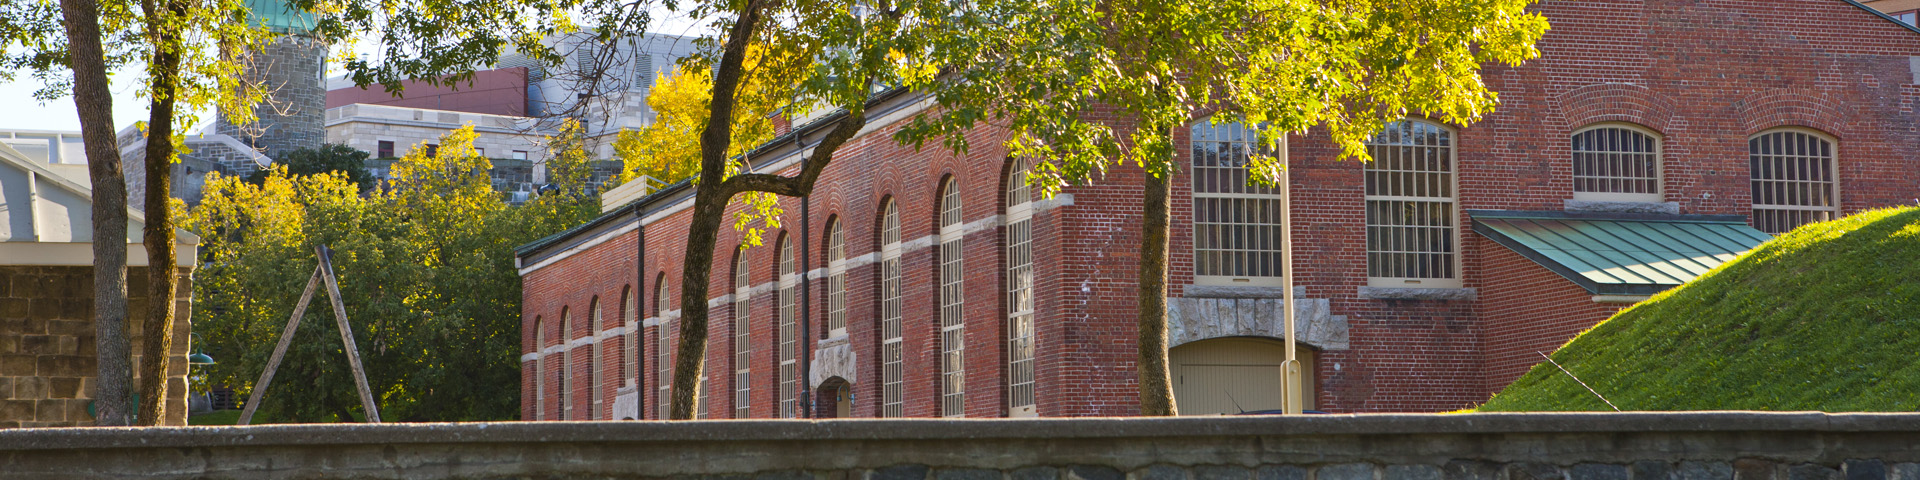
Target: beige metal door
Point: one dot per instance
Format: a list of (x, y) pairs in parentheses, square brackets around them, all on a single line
[(1233, 375)]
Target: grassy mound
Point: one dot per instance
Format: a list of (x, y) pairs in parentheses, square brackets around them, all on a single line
[(1826, 317)]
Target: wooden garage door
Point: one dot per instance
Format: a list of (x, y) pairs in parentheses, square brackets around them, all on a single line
[(1232, 375)]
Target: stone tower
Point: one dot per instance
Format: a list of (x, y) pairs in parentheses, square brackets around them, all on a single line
[(291, 67)]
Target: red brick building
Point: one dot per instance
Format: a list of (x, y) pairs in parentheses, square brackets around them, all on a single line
[(1653, 140)]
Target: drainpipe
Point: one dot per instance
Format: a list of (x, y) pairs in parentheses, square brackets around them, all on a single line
[(805, 342), (639, 341)]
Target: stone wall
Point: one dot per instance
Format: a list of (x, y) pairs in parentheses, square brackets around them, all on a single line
[(47, 365), (1657, 446), (290, 67)]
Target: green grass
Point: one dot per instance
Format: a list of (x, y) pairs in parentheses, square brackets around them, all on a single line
[(1826, 317)]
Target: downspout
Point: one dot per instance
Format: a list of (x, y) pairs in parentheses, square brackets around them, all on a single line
[(639, 341), (806, 296)]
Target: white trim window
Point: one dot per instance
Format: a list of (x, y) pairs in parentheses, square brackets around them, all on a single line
[(595, 371), (1616, 162), (630, 339), (539, 369), (1019, 258), (836, 280), (566, 364), (953, 345), (662, 353), (742, 336), (1413, 233), (789, 332), (892, 369), (1795, 179), (1236, 226)]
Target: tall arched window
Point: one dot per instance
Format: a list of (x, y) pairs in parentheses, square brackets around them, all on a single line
[(1794, 179), (953, 369), (1412, 231), (789, 331), (629, 338), (662, 351), (1616, 162), (892, 374), (836, 280), (1236, 226), (595, 371), (742, 341), (539, 369), (566, 364), (1019, 258)]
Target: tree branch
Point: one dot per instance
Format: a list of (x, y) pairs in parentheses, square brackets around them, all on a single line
[(801, 185)]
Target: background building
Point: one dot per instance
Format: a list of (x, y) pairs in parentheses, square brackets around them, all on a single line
[(1649, 143)]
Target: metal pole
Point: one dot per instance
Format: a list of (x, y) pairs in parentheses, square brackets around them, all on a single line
[(1290, 369), (805, 343)]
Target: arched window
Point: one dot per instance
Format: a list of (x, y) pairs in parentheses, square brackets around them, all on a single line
[(539, 369), (629, 338), (1236, 226), (836, 280), (1616, 162), (953, 371), (892, 374), (663, 350), (1019, 258), (789, 332), (742, 341), (1412, 231), (1794, 179), (595, 370), (566, 364)]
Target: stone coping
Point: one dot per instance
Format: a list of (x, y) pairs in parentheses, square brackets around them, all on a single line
[(950, 429)]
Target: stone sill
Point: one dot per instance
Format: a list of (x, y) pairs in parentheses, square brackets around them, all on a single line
[(1396, 293), (1227, 291), (1668, 208)]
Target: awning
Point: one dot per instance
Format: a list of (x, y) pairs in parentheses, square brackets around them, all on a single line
[(1621, 253)]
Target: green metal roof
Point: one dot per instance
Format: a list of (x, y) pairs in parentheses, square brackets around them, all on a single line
[(280, 15), (1621, 254)]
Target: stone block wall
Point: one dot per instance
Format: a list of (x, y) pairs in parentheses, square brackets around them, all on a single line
[(1556, 446), (47, 361), (291, 68)]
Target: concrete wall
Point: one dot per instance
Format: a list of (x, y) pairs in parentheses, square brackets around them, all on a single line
[(1662, 446), (47, 362)]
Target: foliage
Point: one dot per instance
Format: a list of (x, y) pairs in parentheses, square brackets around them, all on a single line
[(348, 161), (668, 150), (426, 274), (1047, 70), (1820, 318)]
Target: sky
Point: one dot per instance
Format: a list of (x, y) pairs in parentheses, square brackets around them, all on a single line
[(20, 111)]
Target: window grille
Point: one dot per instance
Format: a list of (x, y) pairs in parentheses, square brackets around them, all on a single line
[(952, 302), (662, 353), (789, 334), (1794, 182), (742, 348), (566, 364), (630, 338), (540, 369), (1412, 236), (836, 281), (1236, 226), (1020, 382), (892, 374), (594, 370), (1616, 163)]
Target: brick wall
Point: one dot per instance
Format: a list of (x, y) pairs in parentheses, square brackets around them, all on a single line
[(47, 365), (1706, 75)]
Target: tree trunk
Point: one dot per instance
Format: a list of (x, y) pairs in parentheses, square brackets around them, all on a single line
[(93, 99), (709, 203), (158, 332), (1156, 384)]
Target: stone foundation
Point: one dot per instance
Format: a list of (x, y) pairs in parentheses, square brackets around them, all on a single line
[(47, 365)]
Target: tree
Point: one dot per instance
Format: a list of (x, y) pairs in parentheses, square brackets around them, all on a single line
[(171, 39), (1046, 69), (668, 150), (426, 268), (332, 157)]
